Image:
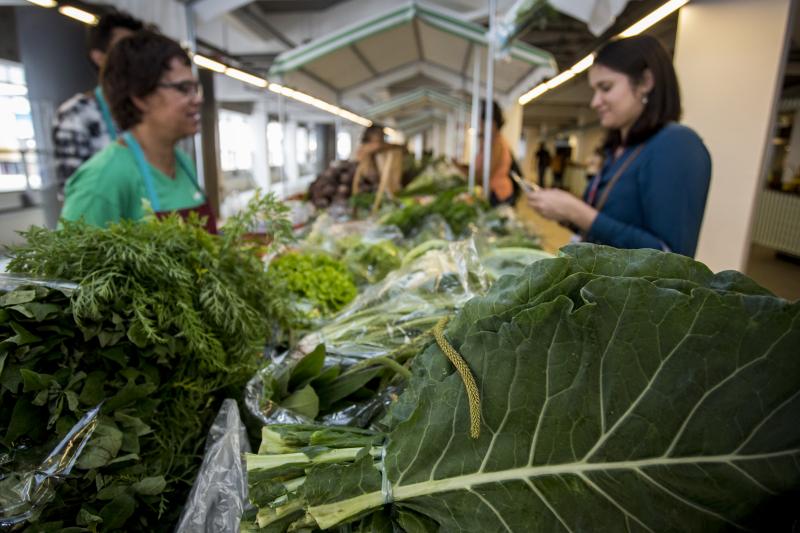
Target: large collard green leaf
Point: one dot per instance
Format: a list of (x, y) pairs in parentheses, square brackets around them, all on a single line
[(636, 407)]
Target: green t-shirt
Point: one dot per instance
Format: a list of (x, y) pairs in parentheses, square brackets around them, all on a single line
[(109, 187)]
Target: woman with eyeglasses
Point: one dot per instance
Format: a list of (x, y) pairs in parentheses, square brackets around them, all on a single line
[(155, 99)]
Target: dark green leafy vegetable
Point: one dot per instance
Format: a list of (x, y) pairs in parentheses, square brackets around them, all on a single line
[(166, 322), (620, 391)]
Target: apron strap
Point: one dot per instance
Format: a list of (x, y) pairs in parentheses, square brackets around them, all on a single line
[(616, 177), (183, 161), (106, 112), (144, 170), (147, 175)]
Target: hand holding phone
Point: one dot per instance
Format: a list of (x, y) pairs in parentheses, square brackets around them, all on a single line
[(526, 186)]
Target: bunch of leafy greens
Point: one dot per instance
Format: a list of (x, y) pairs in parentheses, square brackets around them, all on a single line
[(458, 209), (309, 388), (320, 283), (166, 322), (370, 262), (437, 178), (619, 391), (368, 344)]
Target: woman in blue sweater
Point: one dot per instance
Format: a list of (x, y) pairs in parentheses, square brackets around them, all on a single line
[(651, 192)]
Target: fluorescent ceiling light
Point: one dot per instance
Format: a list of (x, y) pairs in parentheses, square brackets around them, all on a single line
[(654, 17), (78, 14), (44, 3), (245, 77), (319, 104), (583, 64), (561, 78), (210, 64), (534, 93)]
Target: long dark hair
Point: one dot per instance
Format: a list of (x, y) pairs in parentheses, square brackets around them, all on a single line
[(633, 57)]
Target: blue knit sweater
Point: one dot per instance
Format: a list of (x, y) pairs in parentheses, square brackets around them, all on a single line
[(659, 200)]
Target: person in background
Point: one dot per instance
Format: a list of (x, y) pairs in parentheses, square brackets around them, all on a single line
[(373, 140), (155, 99), (594, 164), (652, 189), (502, 189), (543, 160), (559, 164), (375, 155), (83, 124)]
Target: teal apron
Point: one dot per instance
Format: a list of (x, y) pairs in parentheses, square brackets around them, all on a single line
[(204, 210), (104, 110)]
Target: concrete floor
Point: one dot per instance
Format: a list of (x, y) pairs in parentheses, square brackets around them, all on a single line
[(781, 276)]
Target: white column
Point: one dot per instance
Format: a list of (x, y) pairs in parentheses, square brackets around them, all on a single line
[(260, 156), (512, 130), (437, 139), (290, 153), (451, 136), (419, 146), (730, 56)]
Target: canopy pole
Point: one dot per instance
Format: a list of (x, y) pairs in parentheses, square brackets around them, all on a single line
[(487, 125), (473, 133), (197, 138)]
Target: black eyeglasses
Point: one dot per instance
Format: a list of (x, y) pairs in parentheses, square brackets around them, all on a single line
[(187, 88)]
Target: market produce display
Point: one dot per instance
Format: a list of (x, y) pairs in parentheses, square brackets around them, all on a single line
[(438, 175), (619, 390), (335, 184), (370, 262), (166, 321), (348, 369), (456, 207)]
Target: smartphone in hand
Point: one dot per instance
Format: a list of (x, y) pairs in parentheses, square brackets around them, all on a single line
[(526, 186)]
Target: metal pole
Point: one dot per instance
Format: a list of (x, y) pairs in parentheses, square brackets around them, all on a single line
[(191, 35), (282, 118), (476, 101), (487, 125)]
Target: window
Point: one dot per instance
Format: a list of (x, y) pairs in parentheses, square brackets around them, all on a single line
[(235, 141), (19, 168), (306, 146), (275, 144), (344, 145)]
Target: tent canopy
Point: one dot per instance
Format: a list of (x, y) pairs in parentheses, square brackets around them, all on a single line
[(419, 102), (362, 65)]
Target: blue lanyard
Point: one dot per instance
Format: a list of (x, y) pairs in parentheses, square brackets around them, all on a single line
[(147, 175), (101, 101)]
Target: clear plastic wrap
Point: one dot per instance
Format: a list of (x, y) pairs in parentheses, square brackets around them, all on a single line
[(389, 321), (327, 232), (219, 494), (11, 280), (25, 489)]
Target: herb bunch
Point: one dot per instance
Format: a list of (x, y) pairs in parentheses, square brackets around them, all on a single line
[(167, 321)]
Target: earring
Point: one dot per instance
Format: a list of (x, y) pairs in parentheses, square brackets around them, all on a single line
[(645, 99)]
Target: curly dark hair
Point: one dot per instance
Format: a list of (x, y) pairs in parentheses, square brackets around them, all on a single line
[(133, 69)]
